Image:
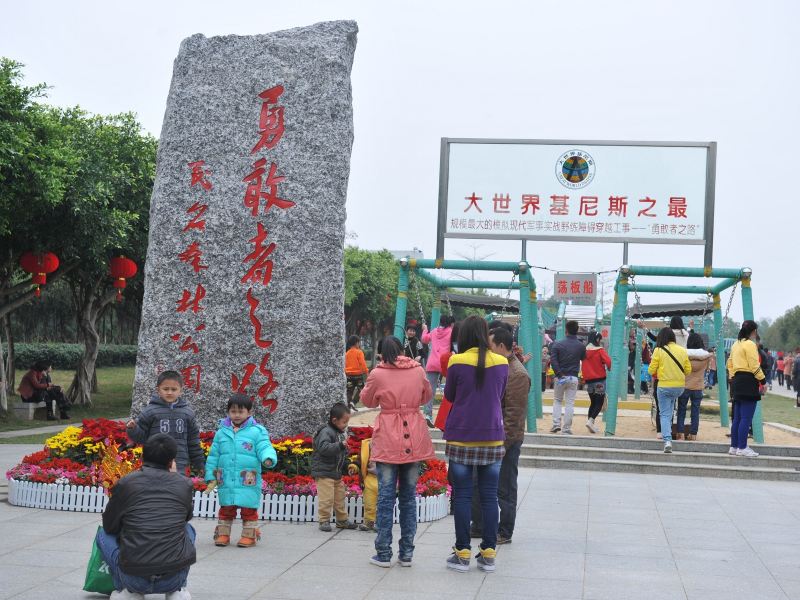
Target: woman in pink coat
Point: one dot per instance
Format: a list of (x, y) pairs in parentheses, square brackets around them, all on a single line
[(399, 442), (439, 340)]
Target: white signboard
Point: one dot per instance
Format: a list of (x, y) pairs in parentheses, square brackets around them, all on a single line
[(654, 192), (580, 288)]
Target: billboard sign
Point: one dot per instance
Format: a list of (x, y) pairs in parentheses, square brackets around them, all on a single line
[(579, 288), (645, 192)]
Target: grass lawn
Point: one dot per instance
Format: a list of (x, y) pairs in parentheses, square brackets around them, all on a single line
[(113, 399), (777, 409)]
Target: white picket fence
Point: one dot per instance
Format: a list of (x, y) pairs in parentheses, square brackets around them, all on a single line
[(273, 507)]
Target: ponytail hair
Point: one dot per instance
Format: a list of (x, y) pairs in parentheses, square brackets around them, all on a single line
[(475, 334), (748, 327)]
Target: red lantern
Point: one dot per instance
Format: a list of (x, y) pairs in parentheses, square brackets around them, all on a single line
[(121, 268), (39, 266)]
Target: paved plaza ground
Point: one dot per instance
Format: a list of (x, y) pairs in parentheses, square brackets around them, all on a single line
[(580, 535)]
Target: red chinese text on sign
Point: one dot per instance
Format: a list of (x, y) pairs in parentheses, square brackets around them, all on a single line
[(588, 206), (254, 192), (558, 205), (575, 287), (677, 208), (618, 205), (200, 174), (645, 212), (588, 288), (270, 122), (473, 201), (502, 204), (261, 269), (530, 202), (562, 286), (197, 211)]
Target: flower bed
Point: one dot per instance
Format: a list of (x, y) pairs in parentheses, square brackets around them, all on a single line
[(78, 468)]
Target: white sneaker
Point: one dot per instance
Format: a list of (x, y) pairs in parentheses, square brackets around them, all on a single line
[(668, 448), (125, 595), (590, 426), (747, 453), (732, 451), (181, 594)]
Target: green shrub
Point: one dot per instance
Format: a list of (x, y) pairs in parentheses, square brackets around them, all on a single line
[(67, 356)]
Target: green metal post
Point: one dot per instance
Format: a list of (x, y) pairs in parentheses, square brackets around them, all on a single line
[(598, 316), (623, 373), (536, 350), (618, 361), (402, 301), (561, 327), (526, 341), (436, 313), (637, 386), (747, 309), (722, 369)]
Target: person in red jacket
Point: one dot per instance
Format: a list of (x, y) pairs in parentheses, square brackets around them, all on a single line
[(594, 367)]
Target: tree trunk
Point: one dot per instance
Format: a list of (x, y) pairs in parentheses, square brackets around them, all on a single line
[(374, 345), (11, 359), (4, 386), (85, 380)]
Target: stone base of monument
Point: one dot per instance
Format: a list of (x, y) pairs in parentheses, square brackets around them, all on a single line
[(274, 507)]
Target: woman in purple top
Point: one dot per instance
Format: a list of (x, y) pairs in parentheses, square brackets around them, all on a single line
[(476, 382)]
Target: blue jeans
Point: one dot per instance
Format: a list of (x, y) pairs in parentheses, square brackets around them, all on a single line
[(506, 493), (696, 396), (742, 420), (396, 481), (488, 477), (433, 379), (156, 584), (667, 396)]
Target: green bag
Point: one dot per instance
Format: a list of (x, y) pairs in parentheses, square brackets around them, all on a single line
[(98, 575)]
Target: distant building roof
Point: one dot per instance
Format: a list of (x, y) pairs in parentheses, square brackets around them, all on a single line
[(494, 303), (415, 253)]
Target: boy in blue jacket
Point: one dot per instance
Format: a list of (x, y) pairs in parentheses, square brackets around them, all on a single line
[(241, 446)]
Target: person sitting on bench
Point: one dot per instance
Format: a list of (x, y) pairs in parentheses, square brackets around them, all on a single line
[(35, 387)]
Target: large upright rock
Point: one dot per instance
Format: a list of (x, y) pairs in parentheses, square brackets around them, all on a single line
[(241, 105)]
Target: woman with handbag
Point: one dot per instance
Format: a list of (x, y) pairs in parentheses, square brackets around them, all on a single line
[(594, 367), (747, 383), (670, 364)]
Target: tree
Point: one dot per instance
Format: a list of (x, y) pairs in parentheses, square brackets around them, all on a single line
[(106, 214), (784, 332)]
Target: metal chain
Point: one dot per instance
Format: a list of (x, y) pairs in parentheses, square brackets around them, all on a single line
[(637, 299), (449, 306), (508, 295), (730, 302), (419, 298), (705, 312)]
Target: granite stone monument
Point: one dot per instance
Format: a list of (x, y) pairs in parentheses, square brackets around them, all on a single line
[(244, 284)]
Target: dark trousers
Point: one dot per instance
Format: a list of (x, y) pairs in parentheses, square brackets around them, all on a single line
[(742, 420), (780, 377), (596, 404), (48, 396), (506, 494), (658, 410)]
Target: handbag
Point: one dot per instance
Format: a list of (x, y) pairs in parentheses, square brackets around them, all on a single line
[(98, 575), (441, 416)]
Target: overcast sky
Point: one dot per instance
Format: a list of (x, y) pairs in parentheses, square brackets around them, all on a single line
[(615, 70)]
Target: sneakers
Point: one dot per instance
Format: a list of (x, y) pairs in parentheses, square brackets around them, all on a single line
[(566, 432), (591, 426), (668, 448), (181, 594), (485, 559), (501, 539), (732, 451), (555, 429), (429, 423), (326, 527), (459, 560), (404, 561), (380, 562), (346, 525), (747, 453), (367, 526), (125, 595)]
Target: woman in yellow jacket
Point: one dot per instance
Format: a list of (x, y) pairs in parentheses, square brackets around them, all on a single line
[(670, 364), (744, 369)]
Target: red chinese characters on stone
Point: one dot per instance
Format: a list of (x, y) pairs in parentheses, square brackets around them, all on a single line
[(677, 208), (191, 302), (197, 211), (200, 174), (191, 377), (473, 202), (257, 327), (530, 202), (645, 212), (193, 256), (240, 385), (254, 192), (188, 344), (261, 269), (270, 122)]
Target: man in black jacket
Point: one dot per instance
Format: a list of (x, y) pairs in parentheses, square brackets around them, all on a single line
[(146, 539), (565, 358)]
